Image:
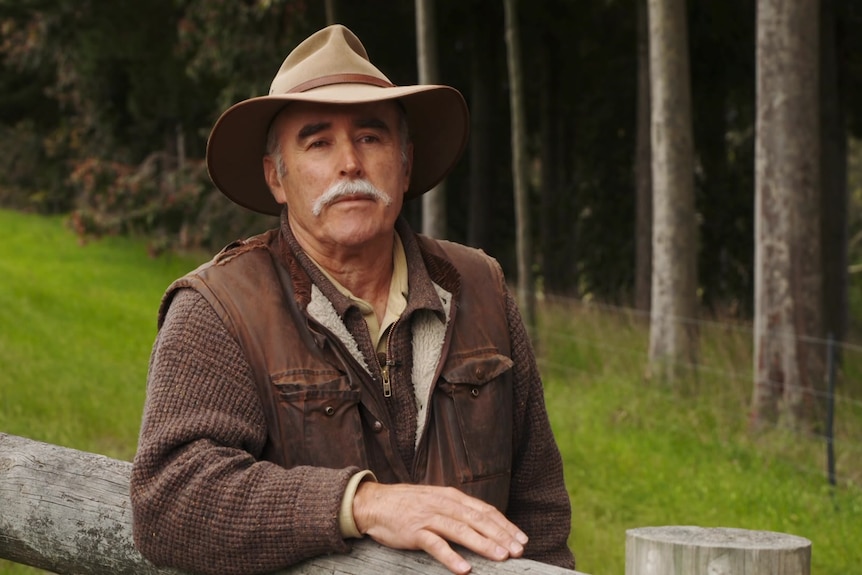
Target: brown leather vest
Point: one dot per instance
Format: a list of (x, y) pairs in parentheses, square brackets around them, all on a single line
[(321, 406)]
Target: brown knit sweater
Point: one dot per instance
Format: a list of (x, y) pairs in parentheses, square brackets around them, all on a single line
[(204, 501)]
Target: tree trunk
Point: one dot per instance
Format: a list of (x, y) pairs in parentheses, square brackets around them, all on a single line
[(331, 12), (788, 285), (643, 169), (519, 165), (673, 329), (434, 200)]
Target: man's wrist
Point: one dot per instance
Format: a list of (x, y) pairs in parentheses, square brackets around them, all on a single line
[(345, 514)]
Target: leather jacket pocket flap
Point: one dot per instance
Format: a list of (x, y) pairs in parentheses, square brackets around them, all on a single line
[(479, 370), (303, 380), (319, 423)]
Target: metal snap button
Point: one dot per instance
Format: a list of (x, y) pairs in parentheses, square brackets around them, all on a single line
[(329, 410)]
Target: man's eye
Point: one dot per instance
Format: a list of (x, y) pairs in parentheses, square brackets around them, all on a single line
[(369, 138), (317, 144)]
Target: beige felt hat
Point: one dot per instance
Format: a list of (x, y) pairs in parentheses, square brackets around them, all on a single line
[(332, 66)]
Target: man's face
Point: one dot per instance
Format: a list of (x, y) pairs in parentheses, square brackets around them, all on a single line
[(324, 145)]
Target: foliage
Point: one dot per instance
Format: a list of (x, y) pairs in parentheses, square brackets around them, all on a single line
[(116, 143), (174, 207)]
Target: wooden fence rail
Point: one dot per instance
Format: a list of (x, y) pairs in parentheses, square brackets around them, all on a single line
[(68, 511)]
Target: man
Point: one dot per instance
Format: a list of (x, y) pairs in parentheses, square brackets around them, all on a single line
[(342, 376)]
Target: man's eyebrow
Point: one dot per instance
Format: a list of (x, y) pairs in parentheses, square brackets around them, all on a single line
[(372, 122), (309, 130)]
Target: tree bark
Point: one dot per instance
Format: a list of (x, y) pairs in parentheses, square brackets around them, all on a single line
[(643, 169), (788, 365), (331, 12), (673, 327), (434, 200), (526, 294)]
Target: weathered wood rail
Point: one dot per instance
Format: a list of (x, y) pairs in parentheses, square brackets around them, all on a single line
[(68, 511)]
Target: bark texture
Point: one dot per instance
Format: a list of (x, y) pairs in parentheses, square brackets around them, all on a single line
[(434, 200), (788, 368), (526, 294), (673, 327)]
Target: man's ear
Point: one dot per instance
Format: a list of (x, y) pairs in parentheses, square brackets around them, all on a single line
[(408, 164), (273, 180)]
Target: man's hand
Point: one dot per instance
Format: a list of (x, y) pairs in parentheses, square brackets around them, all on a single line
[(425, 517)]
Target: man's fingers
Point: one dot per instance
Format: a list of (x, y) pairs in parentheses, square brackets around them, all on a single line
[(439, 549), (489, 523), (428, 518), (472, 534)]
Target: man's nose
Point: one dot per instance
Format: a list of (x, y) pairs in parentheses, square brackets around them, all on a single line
[(351, 164)]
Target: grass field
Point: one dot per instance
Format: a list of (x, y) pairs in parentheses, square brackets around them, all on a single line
[(78, 322)]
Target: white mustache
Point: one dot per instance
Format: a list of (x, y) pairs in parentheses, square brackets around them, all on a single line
[(344, 188)]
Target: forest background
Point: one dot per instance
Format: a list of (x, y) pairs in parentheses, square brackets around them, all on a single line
[(105, 108)]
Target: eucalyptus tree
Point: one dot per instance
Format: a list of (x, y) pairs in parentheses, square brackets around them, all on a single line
[(526, 292), (673, 327), (788, 366), (433, 201)]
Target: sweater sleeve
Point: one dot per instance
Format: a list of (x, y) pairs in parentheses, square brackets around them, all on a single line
[(538, 500), (202, 500)]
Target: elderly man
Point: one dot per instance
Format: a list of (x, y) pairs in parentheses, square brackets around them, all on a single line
[(342, 376)]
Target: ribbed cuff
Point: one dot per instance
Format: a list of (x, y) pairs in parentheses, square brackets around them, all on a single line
[(345, 513)]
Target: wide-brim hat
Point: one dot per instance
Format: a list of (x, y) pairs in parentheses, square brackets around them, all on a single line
[(332, 66)]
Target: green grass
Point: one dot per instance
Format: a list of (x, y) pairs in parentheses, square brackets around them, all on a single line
[(78, 322), (638, 454), (77, 325)]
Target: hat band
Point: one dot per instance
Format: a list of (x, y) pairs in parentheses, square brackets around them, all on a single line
[(340, 79)]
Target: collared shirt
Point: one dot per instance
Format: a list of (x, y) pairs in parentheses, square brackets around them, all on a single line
[(396, 304)]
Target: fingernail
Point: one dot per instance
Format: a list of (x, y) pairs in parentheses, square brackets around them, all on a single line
[(522, 537), (462, 567), (516, 549), (501, 553)]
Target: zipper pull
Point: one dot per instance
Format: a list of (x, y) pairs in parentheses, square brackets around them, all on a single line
[(387, 385), (384, 364)]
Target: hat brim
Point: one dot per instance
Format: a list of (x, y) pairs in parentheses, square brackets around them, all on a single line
[(437, 117)]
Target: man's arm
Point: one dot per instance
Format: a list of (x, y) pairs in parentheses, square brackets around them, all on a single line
[(538, 500), (201, 498)]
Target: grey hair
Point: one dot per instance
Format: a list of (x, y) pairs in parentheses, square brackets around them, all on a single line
[(274, 150)]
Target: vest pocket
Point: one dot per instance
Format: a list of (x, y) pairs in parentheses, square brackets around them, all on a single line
[(480, 389), (319, 420)]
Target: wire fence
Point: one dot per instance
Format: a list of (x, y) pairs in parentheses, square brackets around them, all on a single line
[(579, 340)]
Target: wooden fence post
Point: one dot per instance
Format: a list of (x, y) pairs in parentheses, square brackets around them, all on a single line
[(68, 511), (715, 551)]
